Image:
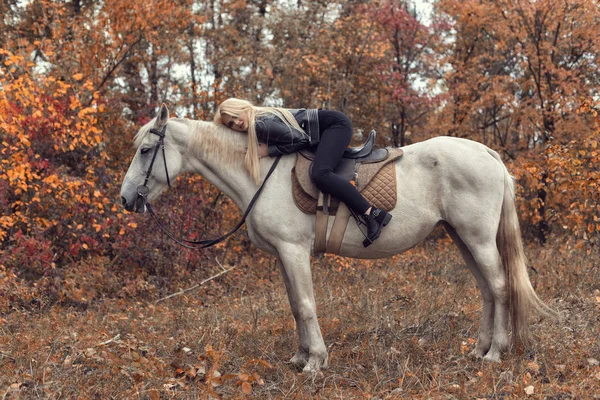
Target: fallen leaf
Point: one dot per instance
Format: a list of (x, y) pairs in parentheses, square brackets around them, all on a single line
[(258, 379), (243, 377), (216, 379), (454, 387), (533, 366), (529, 390), (247, 388)]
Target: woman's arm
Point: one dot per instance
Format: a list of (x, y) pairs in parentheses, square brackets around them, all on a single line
[(263, 150), (280, 138)]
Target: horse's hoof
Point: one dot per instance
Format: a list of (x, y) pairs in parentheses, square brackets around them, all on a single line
[(492, 356), (300, 359), (477, 354), (311, 366), (312, 370)]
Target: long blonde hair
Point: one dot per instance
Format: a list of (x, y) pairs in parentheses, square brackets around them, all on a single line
[(234, 107)]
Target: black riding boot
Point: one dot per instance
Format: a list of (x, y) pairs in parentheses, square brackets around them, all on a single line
[(375, 223)]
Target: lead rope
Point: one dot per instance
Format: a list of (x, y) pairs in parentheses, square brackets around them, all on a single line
[(200, 244)]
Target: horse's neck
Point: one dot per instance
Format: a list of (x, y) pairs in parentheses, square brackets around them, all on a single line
[(236, 184), (233, 180)]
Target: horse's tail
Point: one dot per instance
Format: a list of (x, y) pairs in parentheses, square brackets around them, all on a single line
[(521, 295)]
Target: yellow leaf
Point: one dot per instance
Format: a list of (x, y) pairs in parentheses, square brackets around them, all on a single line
[(85, 246), (78, 76), (132, 225)]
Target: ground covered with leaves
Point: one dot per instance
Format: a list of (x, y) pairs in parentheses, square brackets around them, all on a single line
[(395, 328)]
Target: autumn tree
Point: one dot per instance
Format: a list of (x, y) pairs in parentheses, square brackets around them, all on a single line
[(517, 72), (407, 70)]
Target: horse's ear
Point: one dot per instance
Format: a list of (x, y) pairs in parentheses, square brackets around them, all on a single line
[(162, 117)]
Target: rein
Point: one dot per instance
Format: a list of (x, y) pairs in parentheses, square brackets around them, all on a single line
[(143, 191)]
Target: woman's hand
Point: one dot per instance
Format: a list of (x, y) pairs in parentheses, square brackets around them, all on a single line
[(263, 150)]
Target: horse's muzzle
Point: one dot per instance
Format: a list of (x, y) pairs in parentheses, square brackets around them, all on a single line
[(139, 204)]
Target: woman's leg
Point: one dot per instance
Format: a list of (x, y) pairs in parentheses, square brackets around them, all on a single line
[(336, 133)]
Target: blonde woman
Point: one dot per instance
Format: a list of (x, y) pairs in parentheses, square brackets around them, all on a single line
[(273, 131)]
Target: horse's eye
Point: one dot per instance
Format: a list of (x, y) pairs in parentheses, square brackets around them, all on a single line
[(145, 150)]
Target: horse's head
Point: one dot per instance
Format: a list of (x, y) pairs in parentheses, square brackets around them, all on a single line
[(157, 162)]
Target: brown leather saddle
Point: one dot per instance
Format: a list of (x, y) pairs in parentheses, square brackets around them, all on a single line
[(370, 169)]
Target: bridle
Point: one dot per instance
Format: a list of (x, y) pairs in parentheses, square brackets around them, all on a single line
[(143, 191)]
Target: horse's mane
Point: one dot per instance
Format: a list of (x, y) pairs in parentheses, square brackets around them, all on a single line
[(208, 140), (216, 142)]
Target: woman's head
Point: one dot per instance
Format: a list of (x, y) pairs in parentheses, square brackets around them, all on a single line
[(239, 123), (235, 114)]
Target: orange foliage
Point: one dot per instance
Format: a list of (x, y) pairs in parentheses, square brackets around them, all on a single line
[(47, 131), (574, 180)]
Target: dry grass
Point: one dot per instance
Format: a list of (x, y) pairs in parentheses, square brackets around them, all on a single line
[(396, 328)]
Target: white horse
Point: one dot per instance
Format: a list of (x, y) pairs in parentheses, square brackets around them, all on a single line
[(455, 182)]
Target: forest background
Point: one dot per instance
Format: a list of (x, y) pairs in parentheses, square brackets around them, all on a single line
[(77, 274)]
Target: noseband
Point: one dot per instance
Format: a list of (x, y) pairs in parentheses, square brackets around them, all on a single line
[(143, 190)]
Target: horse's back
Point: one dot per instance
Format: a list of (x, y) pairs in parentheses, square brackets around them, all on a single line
[(449, 148), (450, 160)]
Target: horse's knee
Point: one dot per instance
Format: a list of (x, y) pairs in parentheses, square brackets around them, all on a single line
[(304, 310)]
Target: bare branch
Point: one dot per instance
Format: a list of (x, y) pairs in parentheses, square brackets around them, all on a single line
[(195, 286)]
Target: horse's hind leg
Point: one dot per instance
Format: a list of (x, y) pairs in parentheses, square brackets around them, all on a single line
[(294, 263), (483, 248), (490, 264), (486, 325)]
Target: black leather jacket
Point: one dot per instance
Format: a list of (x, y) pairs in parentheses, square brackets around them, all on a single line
[(282, 139)]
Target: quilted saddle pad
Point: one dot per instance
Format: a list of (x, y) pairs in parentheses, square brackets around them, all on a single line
[(375, 181)]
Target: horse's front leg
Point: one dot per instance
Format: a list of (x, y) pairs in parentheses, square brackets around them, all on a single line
[(294, 262)]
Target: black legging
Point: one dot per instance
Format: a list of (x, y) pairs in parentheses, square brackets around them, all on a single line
[(336, 132)]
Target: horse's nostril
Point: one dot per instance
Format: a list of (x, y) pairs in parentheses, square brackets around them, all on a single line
[(123, 201)]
